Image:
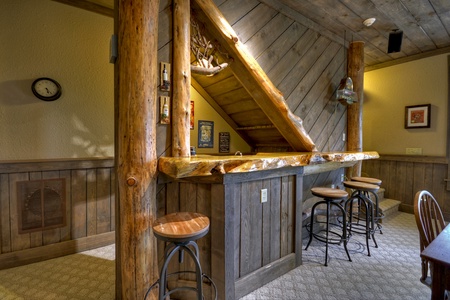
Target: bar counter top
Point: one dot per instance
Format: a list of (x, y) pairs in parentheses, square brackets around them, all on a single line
[(205, 165)]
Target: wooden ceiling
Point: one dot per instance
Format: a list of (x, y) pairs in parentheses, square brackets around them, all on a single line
[(425, 24)]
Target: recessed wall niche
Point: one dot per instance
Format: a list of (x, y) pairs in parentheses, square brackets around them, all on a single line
[(41, 204)]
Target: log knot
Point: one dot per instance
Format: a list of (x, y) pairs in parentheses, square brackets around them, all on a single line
[(131, 181)]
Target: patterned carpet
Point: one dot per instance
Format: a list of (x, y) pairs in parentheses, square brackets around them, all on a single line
[(392, 272)]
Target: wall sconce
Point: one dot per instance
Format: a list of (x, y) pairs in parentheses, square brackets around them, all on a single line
[(345, 93)]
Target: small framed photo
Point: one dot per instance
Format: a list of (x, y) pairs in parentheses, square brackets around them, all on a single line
[(418, 116), (192, 116), (205, 134), (224, 142)]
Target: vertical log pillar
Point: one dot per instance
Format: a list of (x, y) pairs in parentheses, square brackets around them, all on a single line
[(181, 79), (136, 25), (355, 66)]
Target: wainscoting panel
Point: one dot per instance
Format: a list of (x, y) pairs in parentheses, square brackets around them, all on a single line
[(404, 175), (89, 208)]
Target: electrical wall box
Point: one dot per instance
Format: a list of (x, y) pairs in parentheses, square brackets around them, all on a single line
[(263, 195), (414, 151)]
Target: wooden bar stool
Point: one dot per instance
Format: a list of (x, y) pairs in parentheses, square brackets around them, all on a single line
[(362, 220), (181, 230), (378, 213), (331, 197)]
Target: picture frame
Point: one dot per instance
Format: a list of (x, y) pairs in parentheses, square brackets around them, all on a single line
[(205, 134), (191, 117), (224, 142), (418, 116)]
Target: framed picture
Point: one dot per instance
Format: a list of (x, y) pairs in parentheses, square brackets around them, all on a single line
[(192, 115), (205, 134), (418, 116), (224, 142)]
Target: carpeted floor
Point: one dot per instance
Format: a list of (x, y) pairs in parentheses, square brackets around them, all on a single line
[(392, 272)]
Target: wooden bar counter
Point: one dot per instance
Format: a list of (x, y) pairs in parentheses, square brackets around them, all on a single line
[(250, 242)]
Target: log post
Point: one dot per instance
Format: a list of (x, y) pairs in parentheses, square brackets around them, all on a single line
[(355, 66), (136, 25), (181, 79)]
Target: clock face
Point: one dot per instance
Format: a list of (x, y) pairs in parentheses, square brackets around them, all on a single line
[(46, 89)]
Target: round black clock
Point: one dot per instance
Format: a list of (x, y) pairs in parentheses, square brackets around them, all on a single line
[(46, 89)]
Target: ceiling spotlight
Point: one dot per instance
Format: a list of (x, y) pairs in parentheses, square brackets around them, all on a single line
[(368, 22)]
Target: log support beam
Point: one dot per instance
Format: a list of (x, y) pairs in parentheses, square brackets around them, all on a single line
[(181, 79), (355, 66), (136, 25)]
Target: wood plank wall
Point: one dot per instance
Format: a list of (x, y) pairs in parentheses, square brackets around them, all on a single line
[(403, 176), (304, 65), (263, 233), (90, 209)]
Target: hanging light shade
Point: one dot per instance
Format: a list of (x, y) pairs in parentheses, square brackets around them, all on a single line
[(345, 93)]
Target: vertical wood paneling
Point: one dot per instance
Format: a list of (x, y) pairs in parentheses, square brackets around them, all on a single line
[(5, 225), (51, 236), (291, 214), (18, 241), (77, 183), (91, 210), (236, 204), (103, 201), (79, 203), (66, 230), (266, 223), (275, 218), (284, 216), (35, 237), (402, 177), (245, 250)]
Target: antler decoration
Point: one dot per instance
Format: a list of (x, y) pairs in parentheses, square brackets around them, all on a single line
[(206, 52)]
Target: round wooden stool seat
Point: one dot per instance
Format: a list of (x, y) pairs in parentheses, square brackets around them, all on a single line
[(362, 186), (328, 193), (370, 180), (181, 226)]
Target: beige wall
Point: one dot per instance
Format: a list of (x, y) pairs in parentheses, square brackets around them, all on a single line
[(386, 93), (50, 39), (204, 111)]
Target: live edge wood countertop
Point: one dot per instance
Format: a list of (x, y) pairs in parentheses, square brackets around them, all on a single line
[(205, 165)]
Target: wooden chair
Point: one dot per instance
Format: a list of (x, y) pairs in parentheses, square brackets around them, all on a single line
[(430, 222)]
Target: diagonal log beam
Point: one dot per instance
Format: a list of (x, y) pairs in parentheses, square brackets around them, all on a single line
[(253, 78)]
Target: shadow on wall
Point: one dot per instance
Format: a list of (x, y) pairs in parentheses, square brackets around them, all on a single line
[(17, 92), (88, 143)]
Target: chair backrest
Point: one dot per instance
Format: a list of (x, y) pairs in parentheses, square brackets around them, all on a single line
[(429, 218)]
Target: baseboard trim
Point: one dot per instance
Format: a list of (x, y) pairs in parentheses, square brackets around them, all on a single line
[(32, 255)]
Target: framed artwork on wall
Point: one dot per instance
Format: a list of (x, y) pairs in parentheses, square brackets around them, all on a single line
[(205, 134), (418, 116), (224, 142), (192, 115)]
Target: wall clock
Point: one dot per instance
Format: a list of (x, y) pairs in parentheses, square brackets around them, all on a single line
[(46, 89)]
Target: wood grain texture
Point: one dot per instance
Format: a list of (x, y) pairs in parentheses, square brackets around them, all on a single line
[(136, 98), (181, 79), (204, 165)]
